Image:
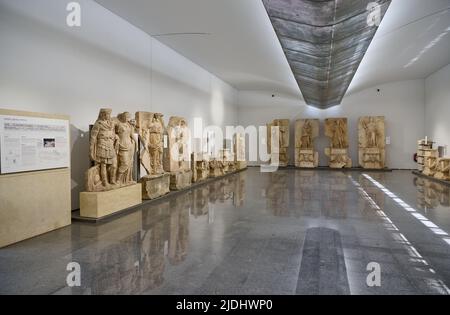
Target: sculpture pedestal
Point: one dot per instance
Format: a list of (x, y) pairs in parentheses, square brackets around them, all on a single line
[(202, 174), (442, 169), (216, 172), (180, 180), (442, 176), (372, 158), (154, 186), (307, 158), (240, 165), (231, 167), (100, 204), (428, 171), (338, 158)]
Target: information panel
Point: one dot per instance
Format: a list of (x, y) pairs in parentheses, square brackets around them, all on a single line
[(32, 143)]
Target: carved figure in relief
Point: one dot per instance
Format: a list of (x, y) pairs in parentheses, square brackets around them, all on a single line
[(339, 135), (431, 163), (306, 130), (306, 139), (371, 144), (178, 142), (443, 169), (103, 151), (371, 129), (153, 141), (336, 130), (126, 148)]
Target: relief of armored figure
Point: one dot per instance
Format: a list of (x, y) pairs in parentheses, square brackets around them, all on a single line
[(103, 151), (112, 148)]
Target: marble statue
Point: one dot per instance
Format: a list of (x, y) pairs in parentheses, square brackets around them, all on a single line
[(443, 169), (306, 130), (127, 147), (150, 127), (177, 156), (216, 168), (430, 165), (336, 129), (283, 141), (371, 140), (239, 151), (199, 167), (112, 148), (228, 160)]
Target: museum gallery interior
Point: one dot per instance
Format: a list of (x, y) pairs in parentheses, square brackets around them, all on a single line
[(225, 147)]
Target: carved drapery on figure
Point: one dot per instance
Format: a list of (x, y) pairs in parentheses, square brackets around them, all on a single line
[(151, 133), (306, 130), (216, 168), (443, 169), (339, 139), (177, 156), (283, 141), (112, 148), (337, 130), (371, 139), (199, 166), (430, 165), (126, 147), (239, 150)]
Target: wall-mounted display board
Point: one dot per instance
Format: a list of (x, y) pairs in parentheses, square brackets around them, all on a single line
[(33, 198), (30, 143)]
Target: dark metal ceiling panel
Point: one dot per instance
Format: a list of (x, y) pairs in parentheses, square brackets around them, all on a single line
[(324, 42)]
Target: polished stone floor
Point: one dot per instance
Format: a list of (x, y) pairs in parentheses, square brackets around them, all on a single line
[(290, 232)]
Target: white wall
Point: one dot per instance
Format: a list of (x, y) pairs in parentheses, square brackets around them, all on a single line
[(437, 107), (402, 103), (46, 66)]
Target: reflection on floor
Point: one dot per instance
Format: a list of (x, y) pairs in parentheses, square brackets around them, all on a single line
[(290, 232)]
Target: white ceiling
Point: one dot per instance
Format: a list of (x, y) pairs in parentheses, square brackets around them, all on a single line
[(241, 47)]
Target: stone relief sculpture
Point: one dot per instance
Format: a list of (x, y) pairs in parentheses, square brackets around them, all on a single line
[(176, 155), (150, 128), (239, 149), (443, 169), (371, 139), (228, 162), (127, 147), (283, 141), (216, 168), (199, 167), (336, 129), (306, 130), (430, 165), (112, 148)]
